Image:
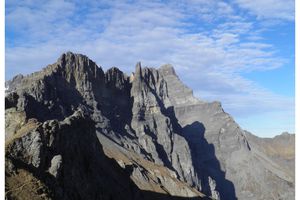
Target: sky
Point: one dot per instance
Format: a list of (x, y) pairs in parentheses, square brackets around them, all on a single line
[(238, 52)]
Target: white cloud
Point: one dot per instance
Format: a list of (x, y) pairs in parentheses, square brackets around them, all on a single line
[(270, 9), (210, 60)]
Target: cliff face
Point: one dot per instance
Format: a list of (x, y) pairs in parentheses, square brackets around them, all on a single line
[(80, 133)]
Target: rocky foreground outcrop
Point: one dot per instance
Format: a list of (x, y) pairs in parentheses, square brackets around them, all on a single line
[(74, 131)]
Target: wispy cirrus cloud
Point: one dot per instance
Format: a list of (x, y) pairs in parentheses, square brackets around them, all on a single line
[(210, 44), (270, 9)]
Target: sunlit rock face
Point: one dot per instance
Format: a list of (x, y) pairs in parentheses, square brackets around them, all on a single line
[(74, 131)]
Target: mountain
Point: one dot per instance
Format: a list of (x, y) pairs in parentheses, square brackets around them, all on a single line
[(74, 131), (281, 149)]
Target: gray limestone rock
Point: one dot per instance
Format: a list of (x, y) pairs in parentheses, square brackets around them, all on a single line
[(55, 167), (220, 149), (27, 149), (87, 134)]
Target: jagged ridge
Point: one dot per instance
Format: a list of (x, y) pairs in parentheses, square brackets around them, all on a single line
[(148, 122)]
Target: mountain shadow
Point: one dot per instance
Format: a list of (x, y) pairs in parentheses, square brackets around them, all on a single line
[(206, 163), (86, 173), (204, 159)]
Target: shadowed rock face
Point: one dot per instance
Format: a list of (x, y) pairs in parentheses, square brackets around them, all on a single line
[(76, 132)]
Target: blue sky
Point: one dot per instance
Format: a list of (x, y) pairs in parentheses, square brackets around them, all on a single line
[(239, 52)]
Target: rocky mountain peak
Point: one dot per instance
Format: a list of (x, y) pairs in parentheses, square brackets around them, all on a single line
[(115, 77), (69, 57), (79, 66), (94, 135), (167, 70), (9, 85), (138, 71), (287, 134)]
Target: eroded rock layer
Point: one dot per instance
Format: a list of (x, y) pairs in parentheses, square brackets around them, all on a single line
[(74, 131)]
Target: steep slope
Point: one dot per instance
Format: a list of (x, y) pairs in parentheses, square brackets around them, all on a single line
[(66, 161), (146, 130), (281, 149), (220, 149), (53, 97)]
